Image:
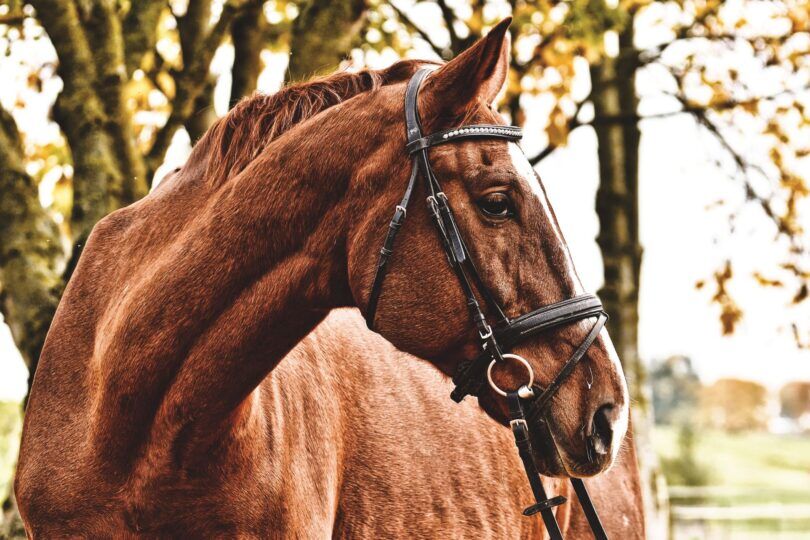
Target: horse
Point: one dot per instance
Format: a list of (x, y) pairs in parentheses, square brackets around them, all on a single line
[(156, 409)]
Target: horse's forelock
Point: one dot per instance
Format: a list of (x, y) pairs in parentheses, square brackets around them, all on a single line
[(237, 138)]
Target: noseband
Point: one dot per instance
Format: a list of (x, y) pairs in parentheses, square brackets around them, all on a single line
[(529, 401)]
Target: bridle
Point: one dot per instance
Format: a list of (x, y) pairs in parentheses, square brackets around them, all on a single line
[(529, 402)]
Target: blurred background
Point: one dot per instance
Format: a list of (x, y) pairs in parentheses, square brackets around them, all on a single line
[(673, 138)]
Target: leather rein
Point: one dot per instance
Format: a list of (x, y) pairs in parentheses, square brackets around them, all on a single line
[(530, 402)]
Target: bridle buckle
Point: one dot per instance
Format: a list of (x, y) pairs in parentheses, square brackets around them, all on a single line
[(486, 333), (434, 205), (519, 423)]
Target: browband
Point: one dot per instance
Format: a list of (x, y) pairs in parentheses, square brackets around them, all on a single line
[(489, 131)]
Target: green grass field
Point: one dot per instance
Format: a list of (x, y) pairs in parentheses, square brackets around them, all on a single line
[(759, 483), (747, 461)]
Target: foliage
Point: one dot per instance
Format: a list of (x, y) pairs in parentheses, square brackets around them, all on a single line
[(715, 53), (683, 469), (734, 405), (121, 78), (794, 399), (742, 71), (675, 390), (551, 42)]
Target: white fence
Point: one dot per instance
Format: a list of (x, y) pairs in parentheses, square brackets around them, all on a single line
[(719, 513)]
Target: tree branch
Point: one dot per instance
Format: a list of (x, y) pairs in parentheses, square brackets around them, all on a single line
[(12, 19), (140, 31), (744, 167), (681, 33), (686, 108), (189, 84), (573, 123), (192, 29), (104, 32), (441, 52), (456, 44)]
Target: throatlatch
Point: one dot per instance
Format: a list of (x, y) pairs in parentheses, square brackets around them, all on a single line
[(527, 405)]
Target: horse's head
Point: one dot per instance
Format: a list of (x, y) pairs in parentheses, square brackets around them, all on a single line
[(513, 238)]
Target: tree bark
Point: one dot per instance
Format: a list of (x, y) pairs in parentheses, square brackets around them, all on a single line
[(248, 33), (203, 114), (105, 35), (322, 35), (617, 207), (98, 185), (140, 31), (32, 256), (614, 99), (193, 27)]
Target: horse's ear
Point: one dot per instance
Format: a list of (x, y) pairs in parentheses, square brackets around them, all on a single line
[(477, 74)]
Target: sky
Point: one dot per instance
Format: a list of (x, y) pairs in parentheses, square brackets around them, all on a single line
[(684, 236)]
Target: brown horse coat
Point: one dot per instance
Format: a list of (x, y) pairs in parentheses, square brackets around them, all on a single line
[(157, 409), (401, 460), (359, 440)]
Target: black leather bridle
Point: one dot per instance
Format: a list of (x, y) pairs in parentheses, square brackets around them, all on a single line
[(529, 402)]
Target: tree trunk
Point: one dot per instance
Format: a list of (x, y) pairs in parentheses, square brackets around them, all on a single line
[(98, 184), (31, 253), (615, 107), (104, 33), (614, 98), (140, 31), (322, 35), (199, 47), (248, 34), (204, 114)]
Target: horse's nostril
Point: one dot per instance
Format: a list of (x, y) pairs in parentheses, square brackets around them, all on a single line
[(602, 434)]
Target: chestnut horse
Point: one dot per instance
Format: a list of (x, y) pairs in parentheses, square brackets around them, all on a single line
[(157, 408)]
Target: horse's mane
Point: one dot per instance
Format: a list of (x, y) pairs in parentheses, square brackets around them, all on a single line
[(236, 139)]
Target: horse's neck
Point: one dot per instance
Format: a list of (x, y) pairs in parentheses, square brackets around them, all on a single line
[(197, 319), (369, 427)]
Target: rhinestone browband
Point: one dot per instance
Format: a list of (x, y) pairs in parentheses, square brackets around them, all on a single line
[(510, 133)]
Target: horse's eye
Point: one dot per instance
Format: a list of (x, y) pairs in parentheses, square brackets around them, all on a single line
[(496, 205)]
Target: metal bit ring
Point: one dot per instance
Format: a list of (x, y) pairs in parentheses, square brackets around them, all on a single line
[(520, 359)]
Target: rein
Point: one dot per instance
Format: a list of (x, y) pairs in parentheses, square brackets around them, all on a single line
[(529, 403)]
